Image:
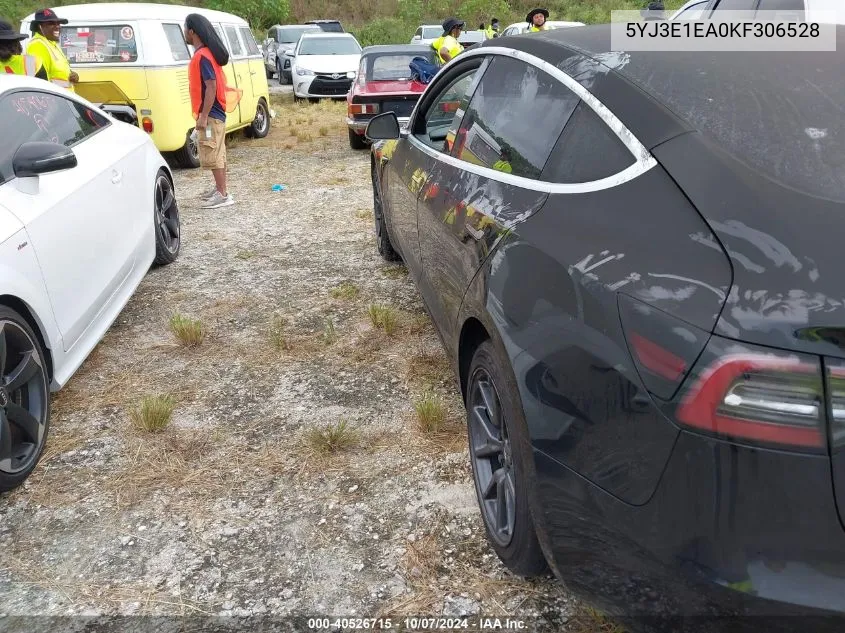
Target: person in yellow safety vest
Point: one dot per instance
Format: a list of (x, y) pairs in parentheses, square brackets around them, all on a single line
[(46, 28), (537, 20), (504, 163), (446, 46), (12, 59), (493, 31)]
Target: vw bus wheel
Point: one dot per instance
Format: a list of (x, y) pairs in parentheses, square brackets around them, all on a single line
[(261, 123), (189, 155)]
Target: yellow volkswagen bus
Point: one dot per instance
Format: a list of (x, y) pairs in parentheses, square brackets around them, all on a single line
[(132, 60)]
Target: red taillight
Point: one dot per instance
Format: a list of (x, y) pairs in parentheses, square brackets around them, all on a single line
[(363, 108), (147, 124), (656, 359), (772, 398)]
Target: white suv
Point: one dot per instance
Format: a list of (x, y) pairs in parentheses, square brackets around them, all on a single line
[(324, 65)]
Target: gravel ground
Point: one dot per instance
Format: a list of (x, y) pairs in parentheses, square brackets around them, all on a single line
[(239, 507)]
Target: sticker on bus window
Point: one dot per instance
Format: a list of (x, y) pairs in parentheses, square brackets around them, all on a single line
[(125, 56), (127, 33)]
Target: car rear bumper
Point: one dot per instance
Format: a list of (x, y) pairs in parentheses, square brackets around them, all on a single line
[(360, 125), (730, 530)]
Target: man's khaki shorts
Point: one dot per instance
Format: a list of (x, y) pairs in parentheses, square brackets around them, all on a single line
[(213, 150)]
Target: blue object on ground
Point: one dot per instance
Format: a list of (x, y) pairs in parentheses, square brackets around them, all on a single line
[(279, 187)]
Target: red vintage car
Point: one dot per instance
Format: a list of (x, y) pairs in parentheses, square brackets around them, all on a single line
[(383, 84)]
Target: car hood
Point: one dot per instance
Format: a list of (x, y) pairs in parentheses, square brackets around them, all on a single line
[(785, 246), (329, 63)]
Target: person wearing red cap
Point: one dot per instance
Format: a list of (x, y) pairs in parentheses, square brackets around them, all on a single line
[(46, 27), (12, 59)]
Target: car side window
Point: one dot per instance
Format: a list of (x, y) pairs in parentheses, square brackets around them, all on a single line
[(249, 41), (514, 118), (735, 5), (176, 40), (418, 33), (693, 11), (234, 42), (41, 116), (441, 114), (588, 150), (791, 9)]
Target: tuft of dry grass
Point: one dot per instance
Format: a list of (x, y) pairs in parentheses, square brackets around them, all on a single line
[(364, 214), (347, 290), (428, 368), (245, 255), (332, 438), (394, 272), (288, 145), (304, 137), (431, 413), (152, 413), (324, 131), (329, 332), (277, 335), (590, 620), (189, 332), (383, 318)]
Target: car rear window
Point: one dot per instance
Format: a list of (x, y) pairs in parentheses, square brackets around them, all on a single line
[(780, 113), (101, 44), (390, 67), (432, 32)]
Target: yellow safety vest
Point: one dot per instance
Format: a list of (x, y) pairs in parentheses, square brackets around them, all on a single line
[(537, 29), (53, 59), (450, 43), (490, 32), (20, 65), (503, 166)]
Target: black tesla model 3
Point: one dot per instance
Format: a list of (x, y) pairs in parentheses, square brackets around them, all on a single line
[(636, 263)]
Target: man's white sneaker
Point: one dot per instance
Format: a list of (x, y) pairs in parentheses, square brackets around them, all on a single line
[(208, 194), (218, 200)]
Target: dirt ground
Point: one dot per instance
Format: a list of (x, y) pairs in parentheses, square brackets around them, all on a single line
[(240, 506)]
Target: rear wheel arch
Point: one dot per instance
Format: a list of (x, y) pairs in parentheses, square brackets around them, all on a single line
[(473, 334), (26, 312)]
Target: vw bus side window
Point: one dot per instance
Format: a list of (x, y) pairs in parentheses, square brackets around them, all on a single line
[(249, 41), (101, 44), (234, 42), (176, 40)]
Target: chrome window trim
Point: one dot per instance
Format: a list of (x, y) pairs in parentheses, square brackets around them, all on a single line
[(643, 160)]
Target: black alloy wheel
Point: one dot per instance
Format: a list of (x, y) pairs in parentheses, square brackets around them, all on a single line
[(167, 226), (24, 399), (500, 454), (491, 453)]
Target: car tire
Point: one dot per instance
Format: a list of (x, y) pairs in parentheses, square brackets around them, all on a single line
[(268, 72), (357, 141), (25, 400), (383, 243), (167, 226), (283, 81), (189, 154), (260, 126), (499, 454)]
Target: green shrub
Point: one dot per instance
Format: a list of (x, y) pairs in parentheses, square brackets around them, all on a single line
[(385, 31)]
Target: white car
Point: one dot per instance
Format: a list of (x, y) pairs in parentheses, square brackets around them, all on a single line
[(87, 204), (324, 65), (427, 33), (522, 27)]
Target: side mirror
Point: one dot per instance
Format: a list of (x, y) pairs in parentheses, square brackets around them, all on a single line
[(384, 127), (36, 158), (289, 53)]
